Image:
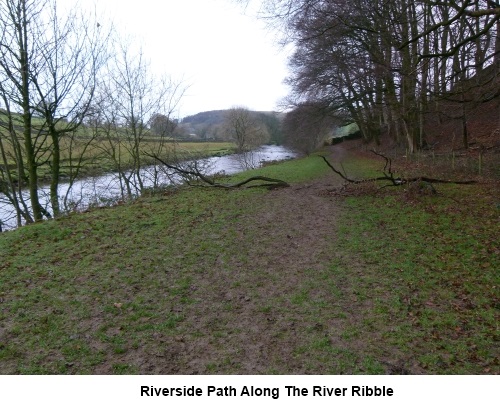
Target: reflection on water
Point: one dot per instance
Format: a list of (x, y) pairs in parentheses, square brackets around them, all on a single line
[(105, 189)]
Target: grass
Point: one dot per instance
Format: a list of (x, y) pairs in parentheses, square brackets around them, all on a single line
[(430, 270), (59, 276), (173, 284), (97, 158)]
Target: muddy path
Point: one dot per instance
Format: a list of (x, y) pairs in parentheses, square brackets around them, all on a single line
[(265, 309)]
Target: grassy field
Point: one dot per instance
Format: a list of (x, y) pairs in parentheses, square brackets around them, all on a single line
[(314, 278), (102, 154), (430, 269), (98, 157)]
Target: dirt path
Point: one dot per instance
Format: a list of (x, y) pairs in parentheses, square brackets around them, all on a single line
[(279, 297), (252, 316)]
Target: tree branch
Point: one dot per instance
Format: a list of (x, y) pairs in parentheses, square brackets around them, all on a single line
[(196, 173), (389, 176)]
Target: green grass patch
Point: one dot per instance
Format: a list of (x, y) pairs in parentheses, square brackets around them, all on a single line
[(101, 155), (112, 279), (292, 171), (429, 271)]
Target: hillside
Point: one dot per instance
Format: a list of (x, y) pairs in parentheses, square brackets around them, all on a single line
[(216, 117), (209, 124), (461, 130), (471, 109)]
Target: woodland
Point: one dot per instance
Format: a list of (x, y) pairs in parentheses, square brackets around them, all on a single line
[(420, 73)]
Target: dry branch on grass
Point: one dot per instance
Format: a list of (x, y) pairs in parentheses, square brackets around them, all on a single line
[(388, 175)]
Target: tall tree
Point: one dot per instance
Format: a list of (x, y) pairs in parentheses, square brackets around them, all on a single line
[(21, 21), (131, 99), (306, 126)]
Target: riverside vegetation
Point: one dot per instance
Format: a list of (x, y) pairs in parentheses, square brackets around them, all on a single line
[(314, 278)]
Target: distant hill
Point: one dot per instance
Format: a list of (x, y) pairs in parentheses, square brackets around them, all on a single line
[(215, 117), (208, 124)]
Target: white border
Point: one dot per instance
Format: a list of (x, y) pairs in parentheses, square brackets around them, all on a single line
[(123, 390)]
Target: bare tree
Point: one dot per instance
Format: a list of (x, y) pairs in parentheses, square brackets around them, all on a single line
[(244, 130), (65, 87), (132, 100), (48, 69), (161, 125), (306, 126), (17, 54)]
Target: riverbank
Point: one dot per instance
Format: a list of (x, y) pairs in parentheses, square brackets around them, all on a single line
[(110, 188), (314, 278)]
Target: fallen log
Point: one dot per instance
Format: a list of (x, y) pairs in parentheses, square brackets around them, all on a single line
[(272, 183)]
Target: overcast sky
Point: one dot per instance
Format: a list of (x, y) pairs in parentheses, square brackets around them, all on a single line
[(218, 48)]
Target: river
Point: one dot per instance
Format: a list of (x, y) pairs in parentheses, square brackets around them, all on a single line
[(106, 189)]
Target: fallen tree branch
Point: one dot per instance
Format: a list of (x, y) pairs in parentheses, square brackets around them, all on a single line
[(274, 182), (388, 175), (352, 180), (196, 173)]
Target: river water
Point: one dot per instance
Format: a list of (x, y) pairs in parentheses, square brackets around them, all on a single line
[(106, 189)]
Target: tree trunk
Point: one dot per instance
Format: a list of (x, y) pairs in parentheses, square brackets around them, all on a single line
[(25, 93), (55, 172)]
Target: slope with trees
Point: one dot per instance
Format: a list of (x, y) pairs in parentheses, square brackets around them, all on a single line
[(208, 125), (386, 64)]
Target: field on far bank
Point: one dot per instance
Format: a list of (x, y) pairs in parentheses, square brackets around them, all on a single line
[(317, 278), (103, 155)]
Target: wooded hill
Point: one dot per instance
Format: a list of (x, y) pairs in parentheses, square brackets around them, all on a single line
[(210, 124), (215, 117), (467, 116)]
